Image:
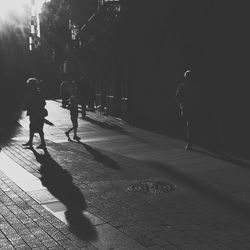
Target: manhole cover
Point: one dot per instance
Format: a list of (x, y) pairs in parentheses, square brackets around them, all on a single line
[(151, 187)]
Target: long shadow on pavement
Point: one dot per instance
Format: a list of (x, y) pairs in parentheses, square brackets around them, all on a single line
[(234, 203), (100, 157), (225, 157), (59, 183), (105, 125)]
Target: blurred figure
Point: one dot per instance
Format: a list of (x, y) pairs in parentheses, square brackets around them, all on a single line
[(65, 88), (83, 90), (11, 103), (73, 107), (36, 111), (186, 98)]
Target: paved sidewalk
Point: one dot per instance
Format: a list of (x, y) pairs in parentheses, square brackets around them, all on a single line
[(25, 224), (93, 193)]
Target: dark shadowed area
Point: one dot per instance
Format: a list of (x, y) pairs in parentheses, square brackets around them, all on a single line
[(60, 184), (102, 158), (13, 74), (203, 188)]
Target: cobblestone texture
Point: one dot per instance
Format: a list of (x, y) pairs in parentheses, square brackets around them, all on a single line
[(24, 224)]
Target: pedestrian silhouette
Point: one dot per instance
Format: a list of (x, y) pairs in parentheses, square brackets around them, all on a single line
[(187, 100), (73, 107), (83, 91), (65, 88), (36, 111)]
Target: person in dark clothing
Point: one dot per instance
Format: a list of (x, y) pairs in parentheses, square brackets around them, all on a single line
[(186, 98), (36, 112), (73, 107), (64, 92)]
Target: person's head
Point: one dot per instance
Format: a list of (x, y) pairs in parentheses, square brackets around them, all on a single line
[(188, 75), (33, 84)]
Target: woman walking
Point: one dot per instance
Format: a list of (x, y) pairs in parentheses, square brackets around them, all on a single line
[(36, 112), (73, 107)]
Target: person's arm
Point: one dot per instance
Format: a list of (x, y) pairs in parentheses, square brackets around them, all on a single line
[(179, 98), (178, 94)]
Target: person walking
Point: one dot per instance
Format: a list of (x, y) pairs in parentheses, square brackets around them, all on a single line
[(64, 92), (73, 107), (186, 98), (36, 112)]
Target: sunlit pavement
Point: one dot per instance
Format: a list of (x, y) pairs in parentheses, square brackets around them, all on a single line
[(99, 193)]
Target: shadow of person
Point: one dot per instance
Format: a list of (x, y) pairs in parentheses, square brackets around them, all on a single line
[(59, 183), (225, 157), (102, 158), (105, 125)]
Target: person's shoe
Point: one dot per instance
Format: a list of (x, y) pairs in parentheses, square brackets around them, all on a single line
[(67, 134), (188, 146), (77, 138), (28, 144), (41, 146)]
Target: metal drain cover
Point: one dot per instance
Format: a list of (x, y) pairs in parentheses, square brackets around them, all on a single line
[(151, 187)]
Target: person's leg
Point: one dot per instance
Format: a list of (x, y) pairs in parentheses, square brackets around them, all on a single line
[(67, 132), (76, 137), (188, 134), (75, 126), (40, 124), (30, 142), (31, 135), (42, 145), (83, 110), (64, 99), (75, 131)]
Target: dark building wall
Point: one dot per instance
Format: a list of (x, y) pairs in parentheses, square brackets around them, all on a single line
[(152, 46), (228, 61), (166, 37)]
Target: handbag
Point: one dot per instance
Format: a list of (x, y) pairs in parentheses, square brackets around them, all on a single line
[(45, 112)]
